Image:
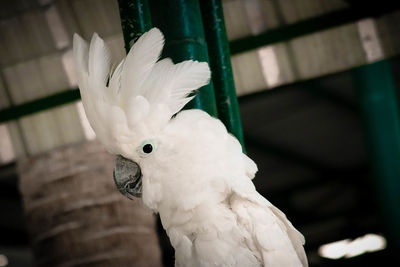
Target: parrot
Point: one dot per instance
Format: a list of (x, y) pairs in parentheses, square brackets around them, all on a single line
[(182, 164)]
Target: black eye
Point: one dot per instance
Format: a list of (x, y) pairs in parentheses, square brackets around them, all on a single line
[(147, 148)]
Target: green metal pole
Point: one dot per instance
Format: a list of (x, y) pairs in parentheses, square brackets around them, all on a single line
[(181, 23), (222, 76), (378, 102), (135, 20)]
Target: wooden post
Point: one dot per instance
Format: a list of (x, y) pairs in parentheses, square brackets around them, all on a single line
[(75, 215)]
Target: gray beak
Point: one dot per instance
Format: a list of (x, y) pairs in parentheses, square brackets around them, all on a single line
[(128, 177)]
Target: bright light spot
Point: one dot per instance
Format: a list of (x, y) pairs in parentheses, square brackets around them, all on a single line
[(3, 260), (270, 66), (367, 243), (334, 250), (7, 152), (56, 27), (255, 16), (370, 39), (350, 248)]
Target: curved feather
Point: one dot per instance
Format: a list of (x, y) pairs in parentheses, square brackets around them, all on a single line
[(140, 93), (99, 61), (187, 77), (139, 62), (171, 84), (80, 54), (275, 238)]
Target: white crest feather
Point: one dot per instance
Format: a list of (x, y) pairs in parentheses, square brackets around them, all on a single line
[(140, 93), (140, 61)]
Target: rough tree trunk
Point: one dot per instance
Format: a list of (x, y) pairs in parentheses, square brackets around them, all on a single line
[(76, 216)]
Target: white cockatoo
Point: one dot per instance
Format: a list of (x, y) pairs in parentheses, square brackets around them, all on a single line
[(186, 167)]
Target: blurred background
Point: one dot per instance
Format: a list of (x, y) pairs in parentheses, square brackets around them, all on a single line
[(327, 153)]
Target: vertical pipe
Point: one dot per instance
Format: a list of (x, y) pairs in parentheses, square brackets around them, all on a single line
[(135, 20), (181, 23), (218, 49), (378, 103)]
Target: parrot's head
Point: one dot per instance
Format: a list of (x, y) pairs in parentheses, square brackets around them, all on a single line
[(130, 107)]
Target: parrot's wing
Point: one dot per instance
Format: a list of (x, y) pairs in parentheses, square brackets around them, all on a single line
[(270, 232)]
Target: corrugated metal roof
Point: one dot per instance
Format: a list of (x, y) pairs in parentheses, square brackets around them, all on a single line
[(36, 62), (36, 38)]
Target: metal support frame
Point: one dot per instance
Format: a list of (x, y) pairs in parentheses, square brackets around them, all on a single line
[(220, 62), (312, 25), (378, 104), (281, 34), (31, 107), (181, 23), (135, 20)]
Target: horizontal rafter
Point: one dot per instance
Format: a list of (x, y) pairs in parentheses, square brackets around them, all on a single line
[(309, 26), (51, 101), (285, 33)]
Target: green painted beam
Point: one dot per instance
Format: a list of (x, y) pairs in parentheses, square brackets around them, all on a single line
[(181, 23), (273, 36), (135, 20), (378, 104), (309, 26), (70, 95), (220, 63), (48, 102)]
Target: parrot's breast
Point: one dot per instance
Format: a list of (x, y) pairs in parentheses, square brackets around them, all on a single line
[(208, 235)]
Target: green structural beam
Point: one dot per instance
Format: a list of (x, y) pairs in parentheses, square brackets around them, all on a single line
[(378, 103), (181, 23), (135, 20), (309, 26), (15, 112), (220, 62), (139, 23)]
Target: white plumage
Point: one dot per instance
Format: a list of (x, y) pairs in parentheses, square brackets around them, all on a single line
[(197, 177)]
